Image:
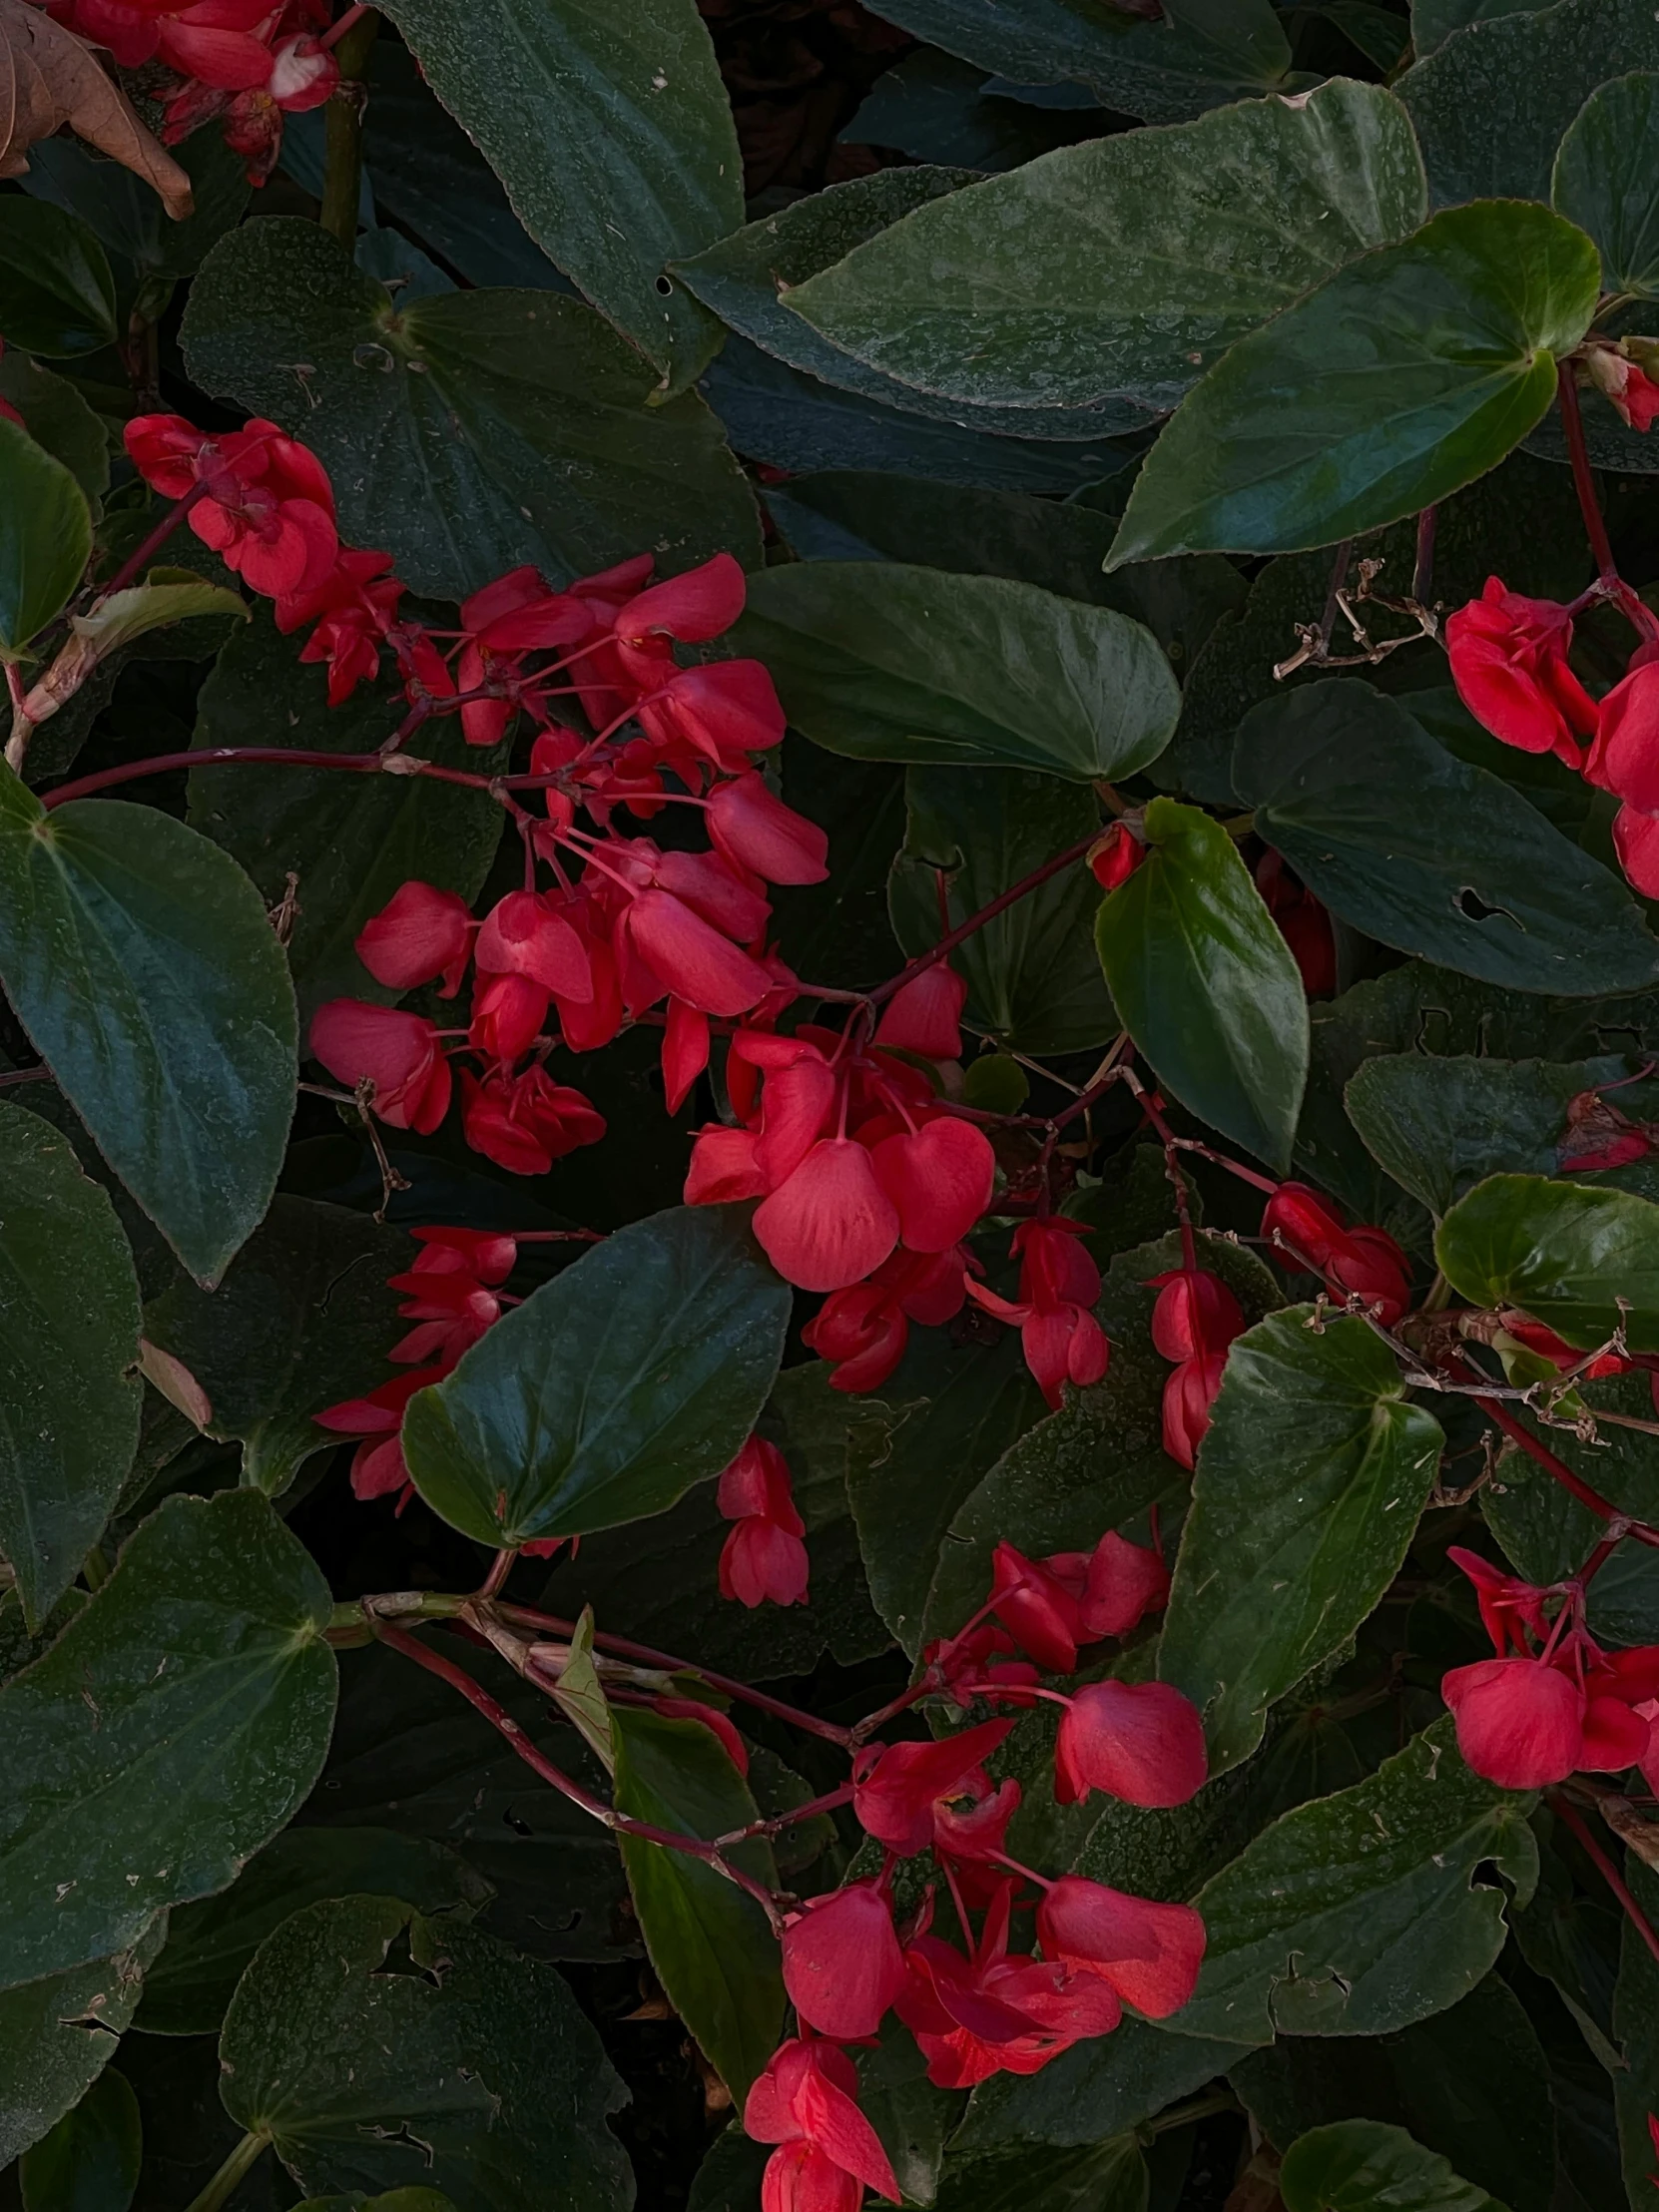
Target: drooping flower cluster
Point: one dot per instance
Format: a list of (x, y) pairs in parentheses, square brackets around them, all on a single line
[(764, 1556), (1510, 664), (1361, 1262), (1194, 1320), (245, 63), (979, 2005), (1551, 1703)]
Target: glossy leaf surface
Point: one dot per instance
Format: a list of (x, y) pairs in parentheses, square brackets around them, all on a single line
[(1205, 983), (45, 537), (1403, 377), (1566, 1253), (57, 296), (1360, 2165)]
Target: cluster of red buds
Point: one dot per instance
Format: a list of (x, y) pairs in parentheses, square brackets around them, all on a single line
[(1552, 1703), (245, 63), (1510, 664)]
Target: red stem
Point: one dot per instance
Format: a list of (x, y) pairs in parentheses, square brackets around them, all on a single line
[(501, 1720), (1583, 482), (965, 929), (1607, 1871), (1519, 1433), (624, 1648), (131, 567)]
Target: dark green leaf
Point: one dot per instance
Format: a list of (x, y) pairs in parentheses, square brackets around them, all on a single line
[(938, 109), (208, 1943), (469, 432), (57, 296), (1198, 53), (1123, 267), (57, 417), (395, 2200), (69, 1388), (1581, 1260), (1405, 377), (1471, 2083), (709, 1941), (747, 281), (729, 2180), (1636, 2021), (1362, 2166), (467, 2069), (1440, 1125), (1603, 182), (1034, 981), (139, 959), (1100, 2177), (1099, 1461), (912, 2118), (351, 841), (1204, 984), (1357, 1915), (1096, 2088), (1493, 105), (614, 138), (838, 932), (89, 2160), (123, 210), (953, 1412), (610, 1391), (886, 662), (301, 1321), (775, 413), (1434, 21), (187, 2131), (1470, 875), (1309, 1488), (408, 1755), (57, 2035), (171, 1730), (45, 538)]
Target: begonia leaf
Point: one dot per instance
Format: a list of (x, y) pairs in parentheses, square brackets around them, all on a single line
[(1362, 2165), (57, 296), (707, 1942), (45, 538), (1398, 380), (1581, 1259), (1126, 266), (470, 2069), (1308, 1490), (90, 2161), (172, 1729), (56, 2038), (1357, 1914), (886, 662), (139, 959), (1203, 982), (469, 432), (1602, 182), (613, 137), (69, 1348), (611, 1390)]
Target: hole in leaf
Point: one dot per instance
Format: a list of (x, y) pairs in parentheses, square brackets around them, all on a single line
[(1471, 904), (664, 285)]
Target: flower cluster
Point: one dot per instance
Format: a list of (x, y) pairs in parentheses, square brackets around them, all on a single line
[(1510, 664), (1360, 1262), (1551, 1703), (245, 62), (983, 2005)]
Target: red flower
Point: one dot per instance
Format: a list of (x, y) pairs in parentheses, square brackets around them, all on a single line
[(1194, 1320), (764, 1556), (525, 1122), (1361, 1262), (1510, 662), (753, 827), (267, 509), (895, 1785), (1125, 1582), (1303, 922), (923, 1015), (1521, 1722), (401, 1054), (992, 2013), (1141, 1742), (1058, 1285), (1598, 1136), (1633, 396), (831, 1222), (1037, 1608), (1624, 759), (806, 2102), (865, 1328), (451, 1291), (378, 1469), (1149, 1954), (353, 606), (843, 1967), (1114, 857), (939, 1177), (418, 936)]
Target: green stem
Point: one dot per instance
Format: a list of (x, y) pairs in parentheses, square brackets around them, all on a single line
[(240, 2161), (343, 167), (95, 1568)]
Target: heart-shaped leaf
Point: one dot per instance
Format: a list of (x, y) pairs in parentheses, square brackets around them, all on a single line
[(1126, 264), (1584, 1261), (1364, 2165), (886, 662), (45, 538), (1407, 374), (1604, 182), (612, 1389), (1204, 984), (139, 959)]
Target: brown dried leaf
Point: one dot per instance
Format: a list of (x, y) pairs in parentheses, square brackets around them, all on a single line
[(49, 77)]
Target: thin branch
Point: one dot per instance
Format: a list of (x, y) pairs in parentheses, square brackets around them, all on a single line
[(965, 929), (1610, 1873)]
